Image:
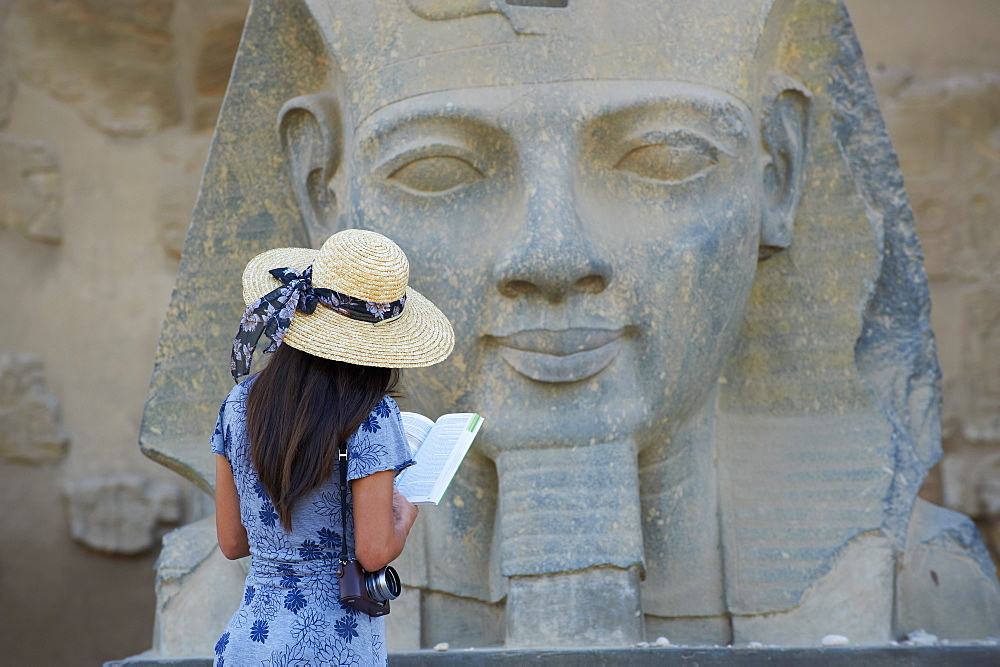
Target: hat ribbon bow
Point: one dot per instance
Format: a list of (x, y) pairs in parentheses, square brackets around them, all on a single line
[(271, 314)]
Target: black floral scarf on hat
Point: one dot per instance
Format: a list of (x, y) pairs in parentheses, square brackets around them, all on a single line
[(271, 314)]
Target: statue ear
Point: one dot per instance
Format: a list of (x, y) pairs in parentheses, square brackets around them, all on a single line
[(309, 130), (785, 135)]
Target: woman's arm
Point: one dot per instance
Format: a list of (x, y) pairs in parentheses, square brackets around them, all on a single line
[(382, 520), (228, 526)]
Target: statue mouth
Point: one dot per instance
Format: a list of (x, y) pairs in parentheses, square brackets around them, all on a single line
[(568, 355)]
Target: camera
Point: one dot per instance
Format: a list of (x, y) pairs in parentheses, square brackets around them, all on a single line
[(367, 592)]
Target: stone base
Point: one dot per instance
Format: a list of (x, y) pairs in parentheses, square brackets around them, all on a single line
[(637, 657), (593, 607)]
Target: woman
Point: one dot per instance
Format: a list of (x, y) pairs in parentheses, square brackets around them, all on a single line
[(341, 320)]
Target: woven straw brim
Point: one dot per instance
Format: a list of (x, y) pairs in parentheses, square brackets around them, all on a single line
[(421, 336)]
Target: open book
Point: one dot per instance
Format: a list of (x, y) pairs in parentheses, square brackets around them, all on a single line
[(438, 448)]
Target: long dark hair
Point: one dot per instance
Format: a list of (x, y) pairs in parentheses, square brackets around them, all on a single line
[(299, 409)]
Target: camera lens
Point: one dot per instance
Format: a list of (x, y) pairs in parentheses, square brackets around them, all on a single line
[(383, 585)]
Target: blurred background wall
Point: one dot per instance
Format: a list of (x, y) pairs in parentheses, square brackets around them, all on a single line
[(106, 114)]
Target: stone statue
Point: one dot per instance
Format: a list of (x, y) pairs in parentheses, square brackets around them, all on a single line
[(674, 243)]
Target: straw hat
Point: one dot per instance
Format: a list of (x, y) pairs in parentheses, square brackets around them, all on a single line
[(370, 267)]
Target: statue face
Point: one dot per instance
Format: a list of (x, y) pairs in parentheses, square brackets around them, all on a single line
[(593, 244)]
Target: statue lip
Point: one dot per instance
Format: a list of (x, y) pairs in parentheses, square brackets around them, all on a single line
[(568, 355)]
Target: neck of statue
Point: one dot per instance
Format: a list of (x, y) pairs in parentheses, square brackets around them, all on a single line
[(568, 508), (569, 536), (577, 520)]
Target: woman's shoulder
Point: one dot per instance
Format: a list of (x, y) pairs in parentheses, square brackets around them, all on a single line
[(386, 409), (235, 402), (388, 403), (240, 390), (379, 443)]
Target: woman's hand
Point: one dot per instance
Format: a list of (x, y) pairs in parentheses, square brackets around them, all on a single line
[(404, 513)]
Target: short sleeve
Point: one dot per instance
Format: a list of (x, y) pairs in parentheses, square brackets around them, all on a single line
[(231, 415), (379, 443), (218, 440)]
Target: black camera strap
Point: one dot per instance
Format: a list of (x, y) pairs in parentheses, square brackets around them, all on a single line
[(342, 464), (356, 585)]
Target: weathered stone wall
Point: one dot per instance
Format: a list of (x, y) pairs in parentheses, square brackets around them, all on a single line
[(106, 110), (106, 113), (936, 70)]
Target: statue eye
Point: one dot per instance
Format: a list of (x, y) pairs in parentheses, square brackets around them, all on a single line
[(435, 174), (670, 161)]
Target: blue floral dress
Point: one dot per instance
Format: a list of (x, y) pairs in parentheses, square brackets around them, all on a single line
[(291, 612)]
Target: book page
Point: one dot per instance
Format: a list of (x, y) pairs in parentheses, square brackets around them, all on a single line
[(416, 427), (438, 458)]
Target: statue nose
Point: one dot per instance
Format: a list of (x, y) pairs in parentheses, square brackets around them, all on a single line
[(551, 255)]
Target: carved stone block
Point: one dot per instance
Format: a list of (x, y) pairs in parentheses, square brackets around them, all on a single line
[(214, 62), (188, 623), (970, 481), (111, 60), (945, 574), (185, 153), (29, 425), (120, 514), (30, 189), (981, 366), (947, 133), (8, 83)]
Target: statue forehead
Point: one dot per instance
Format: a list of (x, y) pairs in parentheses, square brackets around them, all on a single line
[(389, 50)]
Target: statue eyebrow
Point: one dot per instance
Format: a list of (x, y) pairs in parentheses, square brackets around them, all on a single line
[(538, 3), (680, 138), (434, 117), (723, 116)]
